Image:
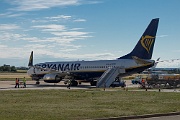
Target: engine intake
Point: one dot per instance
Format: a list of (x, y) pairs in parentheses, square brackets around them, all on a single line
[(52, 78)]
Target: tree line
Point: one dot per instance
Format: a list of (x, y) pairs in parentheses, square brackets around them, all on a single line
[(8, 68)]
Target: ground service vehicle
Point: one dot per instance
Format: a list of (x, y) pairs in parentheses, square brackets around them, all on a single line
[(168, 80)]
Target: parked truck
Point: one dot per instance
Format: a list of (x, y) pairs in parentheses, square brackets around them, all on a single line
[(168, 80)]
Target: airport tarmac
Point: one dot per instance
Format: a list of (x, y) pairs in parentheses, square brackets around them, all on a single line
[(10, 85)]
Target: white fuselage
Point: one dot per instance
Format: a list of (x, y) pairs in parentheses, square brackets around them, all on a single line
[(83, 66)]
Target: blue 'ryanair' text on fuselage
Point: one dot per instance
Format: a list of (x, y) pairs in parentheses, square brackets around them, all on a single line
[(61, 66)]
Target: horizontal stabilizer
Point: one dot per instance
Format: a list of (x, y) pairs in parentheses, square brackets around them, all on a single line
[(140, 61)]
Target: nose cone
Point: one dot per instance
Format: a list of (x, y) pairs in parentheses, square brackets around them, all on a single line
[(30, 71)]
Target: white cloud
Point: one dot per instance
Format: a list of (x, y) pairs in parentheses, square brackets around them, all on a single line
[(70, 33), (32, 39), (58, 45), (69, 56), (76, 29), (51, 39), (4, 14), (169, 65), (60, 17), (16, 15), (62, 34), (9, 52), (31, 5), (3, 46), (43, 50), (161, 36), (5, 36), (80, 20), (35, 46), (34, 43), (39, 21), (176, 51), (97, 56), (10, 15), (52, 27), (4, 27)]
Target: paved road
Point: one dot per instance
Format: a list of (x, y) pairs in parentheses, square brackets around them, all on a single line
[(174, 117), (9, 85)]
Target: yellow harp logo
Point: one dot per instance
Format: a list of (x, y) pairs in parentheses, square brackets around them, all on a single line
[(146, 42)]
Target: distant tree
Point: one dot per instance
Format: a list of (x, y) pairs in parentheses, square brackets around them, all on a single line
[(13, 69), (6, 68), (21, 68), (1, 68)]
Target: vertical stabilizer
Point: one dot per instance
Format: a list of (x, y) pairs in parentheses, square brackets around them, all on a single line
[(144, 47), (31, 59)]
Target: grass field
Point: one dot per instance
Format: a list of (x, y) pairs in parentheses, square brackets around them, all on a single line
[(12, 76), (83, 104)]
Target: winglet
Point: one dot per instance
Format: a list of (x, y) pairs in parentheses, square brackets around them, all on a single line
[(31, 60)]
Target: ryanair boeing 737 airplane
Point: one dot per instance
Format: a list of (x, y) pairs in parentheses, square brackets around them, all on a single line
[(136, 61)]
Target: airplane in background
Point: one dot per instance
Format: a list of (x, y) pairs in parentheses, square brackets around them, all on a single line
[(136, 61)]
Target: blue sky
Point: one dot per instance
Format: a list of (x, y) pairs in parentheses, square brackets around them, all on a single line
[(65, 30)]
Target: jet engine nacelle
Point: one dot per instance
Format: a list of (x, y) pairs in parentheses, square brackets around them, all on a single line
[(52, 78)]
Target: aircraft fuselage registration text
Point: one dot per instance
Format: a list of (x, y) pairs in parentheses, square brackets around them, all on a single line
[(61, 66)]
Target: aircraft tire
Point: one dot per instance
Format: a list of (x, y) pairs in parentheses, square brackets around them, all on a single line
[(37, 83), (93, 83), (74, 83)]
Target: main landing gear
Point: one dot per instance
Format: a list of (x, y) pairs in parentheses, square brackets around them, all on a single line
[(37, 82), (71, 82), (74, 83), (93, 83)]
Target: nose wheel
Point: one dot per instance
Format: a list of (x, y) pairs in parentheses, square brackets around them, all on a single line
[(37, 83)]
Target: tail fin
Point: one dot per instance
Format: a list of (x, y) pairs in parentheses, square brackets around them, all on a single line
[(31, 60), (144, 47)]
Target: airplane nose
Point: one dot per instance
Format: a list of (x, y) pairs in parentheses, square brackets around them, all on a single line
[(30, 71)]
